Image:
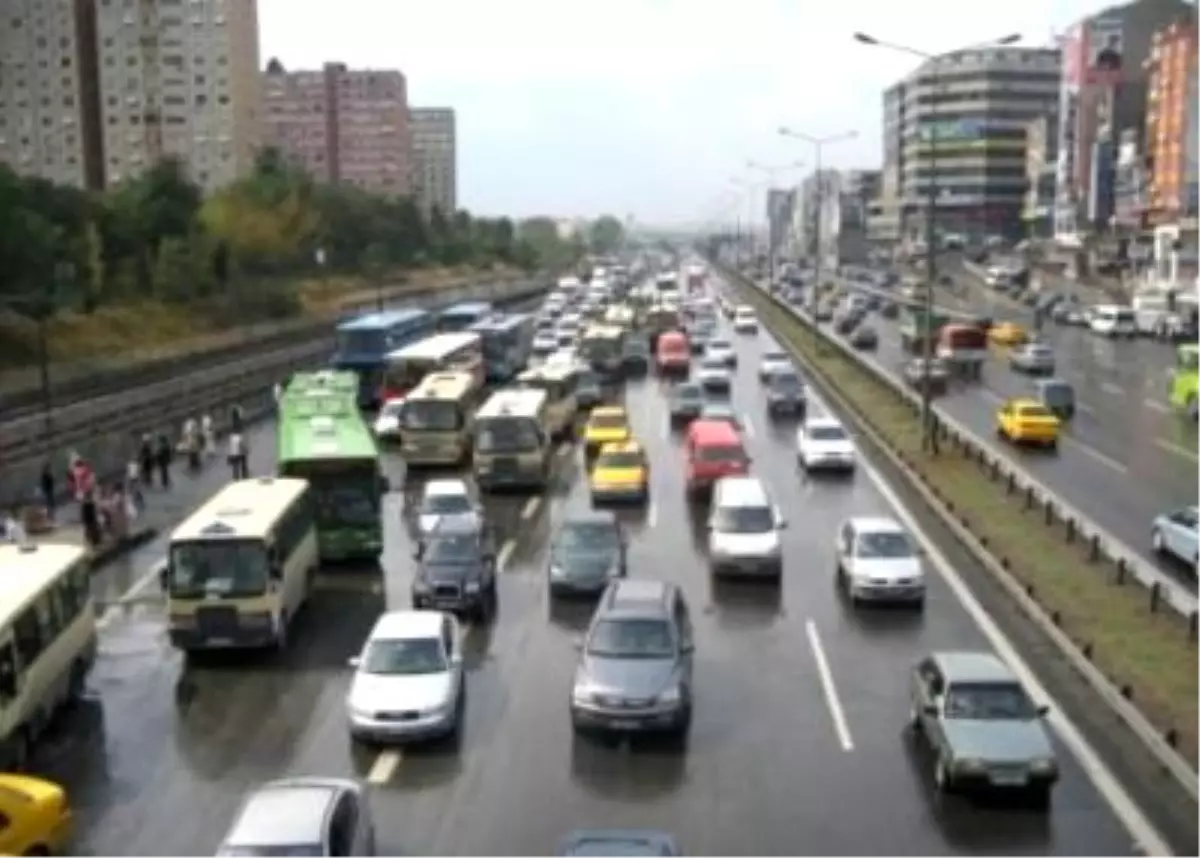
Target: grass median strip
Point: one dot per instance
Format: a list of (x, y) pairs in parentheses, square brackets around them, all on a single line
[(1149, 653)]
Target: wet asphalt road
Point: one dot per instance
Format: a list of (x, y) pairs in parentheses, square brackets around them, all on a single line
[(1125, 458), (159, 758)]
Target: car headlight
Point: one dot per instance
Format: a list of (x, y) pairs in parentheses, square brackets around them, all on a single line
[(1043, 764), (583, 694), (472, 587), (359, 711), (670, 697)]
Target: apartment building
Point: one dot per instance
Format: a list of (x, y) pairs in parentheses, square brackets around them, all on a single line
[(342, 125), (49, 124), (179, 78), (435, 158), (1171, 141), (1041, 141)]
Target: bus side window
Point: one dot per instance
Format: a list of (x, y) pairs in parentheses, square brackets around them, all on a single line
[(27, 632), (8, 673)]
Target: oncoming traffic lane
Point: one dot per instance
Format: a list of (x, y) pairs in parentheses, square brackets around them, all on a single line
[(771, 766)]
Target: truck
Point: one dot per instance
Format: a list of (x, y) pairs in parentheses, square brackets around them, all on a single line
[(1185, 380), (916, 326), (695, 278)]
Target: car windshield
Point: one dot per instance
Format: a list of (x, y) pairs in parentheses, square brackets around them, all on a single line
[(720, 345), (406, 657), (720, 454), (452, 550), (785, 381), (714, 364), (624, 459), (1036, 411), (275, 850), (587, 537), (1038, 351), (686, 392), (744, 519), (431, 415), (989, 701), (884, 545), (826, 433), (773, 358), (631, 638), (608, 421), (445, 504)]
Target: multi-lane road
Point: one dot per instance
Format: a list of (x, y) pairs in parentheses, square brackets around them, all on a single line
[(798, 742), (1126, 457)]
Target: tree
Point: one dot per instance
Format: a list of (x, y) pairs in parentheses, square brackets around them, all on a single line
[(605, 234)]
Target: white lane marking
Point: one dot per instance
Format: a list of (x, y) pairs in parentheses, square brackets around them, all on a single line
[(505, 553), (652, 515), (1155, 405), (832, 701), (531, 507), (384, 767), (748, 426), (992, 397), (1112, 389), (1144, 835), (1089, 450), (1177, 450)]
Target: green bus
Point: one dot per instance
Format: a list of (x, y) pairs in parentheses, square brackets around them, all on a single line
[(323, 439), (1185, 379)]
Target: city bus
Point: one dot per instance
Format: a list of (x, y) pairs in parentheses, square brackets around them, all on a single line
[(364, 342), (513, 446), (461, 352), (329, 382), (560, 382), (461, 316), (1185, 379), (507, 344), (47, 640), (241, 566), (323, 439), (436, 419), (602, 347)]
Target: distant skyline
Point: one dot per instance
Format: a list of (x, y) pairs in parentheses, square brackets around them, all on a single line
[(643, 107)]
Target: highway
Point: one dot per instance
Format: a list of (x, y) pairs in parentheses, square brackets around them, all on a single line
[(785, 757), (1126, 457)]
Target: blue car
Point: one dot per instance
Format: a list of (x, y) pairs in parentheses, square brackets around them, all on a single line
[(1174, 535), (618, 841)]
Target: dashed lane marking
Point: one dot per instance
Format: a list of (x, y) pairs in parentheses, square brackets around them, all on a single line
[(1176, 449), (749, 427), (828, 687), (1091, 451), (505, 554), (1112, 389), (652, 515), (1155, 405), (384, 768), (530, 509)]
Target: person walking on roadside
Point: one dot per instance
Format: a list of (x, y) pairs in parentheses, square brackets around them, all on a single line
[(162, 458), (277, 393), (238, 456), (46, 489), (146, 460), (192, 443), (133, 485), (208, 435), (89, 515), (235, 419)]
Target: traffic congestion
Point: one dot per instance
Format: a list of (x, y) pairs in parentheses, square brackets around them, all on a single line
[(603, 578)]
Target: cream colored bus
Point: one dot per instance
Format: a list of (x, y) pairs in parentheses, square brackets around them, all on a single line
[(513, 445), (240, 568), (560, 381), (47, 640), (435, 422)]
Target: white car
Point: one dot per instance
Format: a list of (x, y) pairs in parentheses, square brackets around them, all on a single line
[(771, 363), (545, 342), (877, 561), (408, 681), (442, 498), (566, 334), (713, 374), (744, 320), (387, 421), (721, 350), (822, 443), (300, 816)]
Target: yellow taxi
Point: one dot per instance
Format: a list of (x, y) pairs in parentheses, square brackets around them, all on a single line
[(1027, 421), (606, 424), (1008, 334), (39, 818), (621, 472)]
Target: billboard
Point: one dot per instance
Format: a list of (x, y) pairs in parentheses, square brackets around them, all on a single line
[(1105, 51)]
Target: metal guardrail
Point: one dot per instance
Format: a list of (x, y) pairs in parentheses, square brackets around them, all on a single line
[(1003, 470)]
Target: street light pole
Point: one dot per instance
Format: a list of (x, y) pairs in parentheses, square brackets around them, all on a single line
[(929, 441)]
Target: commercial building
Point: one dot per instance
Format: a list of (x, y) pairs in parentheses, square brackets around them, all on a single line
[(1103, 93), (1041, 155), (344, 126), (435, 158), (1171, 142), (49, 123), (885, 213), (179, 80), (781, 206)]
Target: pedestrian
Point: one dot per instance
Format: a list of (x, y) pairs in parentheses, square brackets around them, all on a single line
[(162, 458), (133, 485), (208, 434), (90, 517), (191, 443), (14, 530), (238, 456), (146, 460), (235, 418), (277, 393), (46, 487)]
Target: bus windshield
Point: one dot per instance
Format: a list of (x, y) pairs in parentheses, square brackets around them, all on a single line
[(431, 415), (227, 569), (507, 435)]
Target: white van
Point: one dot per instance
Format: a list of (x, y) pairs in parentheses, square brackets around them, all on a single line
[(744, 529), (1112, 320)]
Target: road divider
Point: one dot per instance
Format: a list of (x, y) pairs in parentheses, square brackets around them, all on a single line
[(1129, 632)]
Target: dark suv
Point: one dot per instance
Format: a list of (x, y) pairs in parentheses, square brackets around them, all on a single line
[(635, 662), (456, 569)]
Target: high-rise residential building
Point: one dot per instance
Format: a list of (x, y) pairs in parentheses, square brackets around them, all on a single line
[(49, 125), (343, 125), (435, 158), (781, 205), (179, 78), (1041, 140), (1171, 123), (962, 120)]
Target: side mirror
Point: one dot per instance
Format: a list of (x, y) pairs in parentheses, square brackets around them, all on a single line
[(1043, 711), (578, 644), (354, 661)]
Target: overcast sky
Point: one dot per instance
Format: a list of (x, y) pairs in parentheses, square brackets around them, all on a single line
[(642, 107)]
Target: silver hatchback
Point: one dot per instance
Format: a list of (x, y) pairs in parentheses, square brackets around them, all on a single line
[(302, 816)]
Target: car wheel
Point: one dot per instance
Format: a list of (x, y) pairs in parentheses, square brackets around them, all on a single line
[(1157, 541)]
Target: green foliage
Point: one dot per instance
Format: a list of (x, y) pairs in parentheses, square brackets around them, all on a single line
[(606, 234), (156, 236)]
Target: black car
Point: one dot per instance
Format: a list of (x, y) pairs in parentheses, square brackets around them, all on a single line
[(865, 338), (685, 402), (786, 393), (456, 569), (589, 389), (588, 551), (889, 310), (848, 322), (635, 357), (938, 374)]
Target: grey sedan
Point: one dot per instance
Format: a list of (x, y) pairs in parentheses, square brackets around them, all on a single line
[(1033, 358)]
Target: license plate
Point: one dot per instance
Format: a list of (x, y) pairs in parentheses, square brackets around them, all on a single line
[(220, 641), (1010, 779), (626, 724)]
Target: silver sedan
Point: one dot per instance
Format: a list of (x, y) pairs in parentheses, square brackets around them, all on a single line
[(1033, 358)]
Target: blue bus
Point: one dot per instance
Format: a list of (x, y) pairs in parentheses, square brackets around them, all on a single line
[(507, 344), (364, 342), (459, 317)]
